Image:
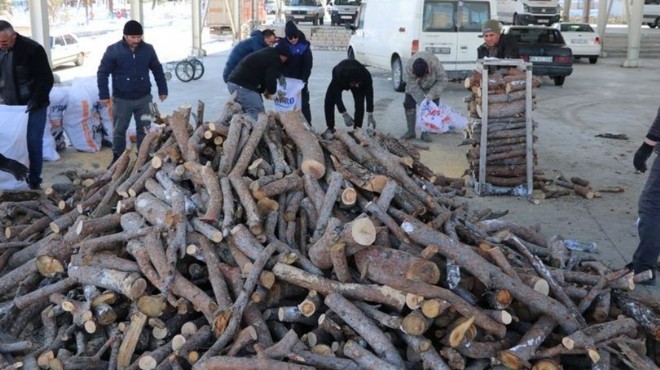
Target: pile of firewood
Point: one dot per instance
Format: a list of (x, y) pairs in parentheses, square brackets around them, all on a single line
[(561, 186), (506, 154), (256, 245)]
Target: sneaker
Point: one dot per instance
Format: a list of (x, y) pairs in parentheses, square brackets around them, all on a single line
[(637, 270), (329, 134)]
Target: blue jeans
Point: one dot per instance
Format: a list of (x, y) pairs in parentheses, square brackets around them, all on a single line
[(122, 111), (648, 250), (35, 145), (250, 100)]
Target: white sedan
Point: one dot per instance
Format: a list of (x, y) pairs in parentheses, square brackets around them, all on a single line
[(582, 39)]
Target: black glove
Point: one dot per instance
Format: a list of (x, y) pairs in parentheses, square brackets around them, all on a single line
[(18, 169), (642, 154), (31, 105)]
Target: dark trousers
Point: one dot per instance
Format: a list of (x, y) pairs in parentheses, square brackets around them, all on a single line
[(35, 145), (122, 111), (648, 250), (306, 111)]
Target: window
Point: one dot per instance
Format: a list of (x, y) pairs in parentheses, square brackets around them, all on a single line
[(473, 15), (439, 16), (576, 27), (301, 2), (346, 2)]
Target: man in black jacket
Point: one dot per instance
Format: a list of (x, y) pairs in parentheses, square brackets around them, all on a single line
[(129, 62), (496, 45), (257, 74), (648, 224), (349, 74), (299, 65), (26, 79)]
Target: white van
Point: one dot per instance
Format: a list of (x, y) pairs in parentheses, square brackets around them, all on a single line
[(342, 11), (388, 32), (524, 12), (651, 15)]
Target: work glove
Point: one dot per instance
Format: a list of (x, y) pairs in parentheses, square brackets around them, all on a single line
[(642, 154), (347, 119), (267, 96), (371, 121), (31, 105), (18, 169)]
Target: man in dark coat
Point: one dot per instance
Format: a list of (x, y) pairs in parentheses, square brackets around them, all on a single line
[(349, 74), (257, 74), (299, 65), (496, 45), (129, 62), (257, 41), (648, 224), (26, 79)]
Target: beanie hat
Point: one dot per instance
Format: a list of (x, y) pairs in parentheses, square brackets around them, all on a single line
[(420, 67), (290, 29), (133, 28), (283, 48), (491, 26)]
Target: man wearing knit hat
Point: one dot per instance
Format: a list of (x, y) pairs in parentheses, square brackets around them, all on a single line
[(129, 62), (425, 78), (257, 74), (258, 40), (299, 65), (495, 44)]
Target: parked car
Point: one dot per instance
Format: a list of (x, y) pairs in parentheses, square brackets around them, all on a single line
[(304, 11), (545, 48), (342, 11), (66, 48), (582, 39)]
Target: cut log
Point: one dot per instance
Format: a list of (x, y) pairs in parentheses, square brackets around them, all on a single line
[(313, 162)]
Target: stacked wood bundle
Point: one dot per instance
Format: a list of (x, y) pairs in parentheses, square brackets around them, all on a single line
[(255, 245), (561, 186), (506, 156)]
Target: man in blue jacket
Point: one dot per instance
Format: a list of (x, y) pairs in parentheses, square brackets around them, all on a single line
[(129, 62), (257, 41), (299, 65), (25, 79)]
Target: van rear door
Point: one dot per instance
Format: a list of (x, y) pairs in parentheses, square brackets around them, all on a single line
[(472, 16), (438, 32)]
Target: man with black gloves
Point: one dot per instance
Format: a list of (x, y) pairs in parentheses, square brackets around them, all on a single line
[(648, 224), (26, 79), (257, 74), (496, 45), (299, 64), (129, 62), (349, 74), (257, 41), (425, 78)]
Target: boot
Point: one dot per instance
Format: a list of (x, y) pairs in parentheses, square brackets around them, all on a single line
[(410, 121), (115, 156), (426, 137)]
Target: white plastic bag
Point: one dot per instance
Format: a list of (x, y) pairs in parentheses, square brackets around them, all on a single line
[(13, 146), (291, 100), (438, 118)]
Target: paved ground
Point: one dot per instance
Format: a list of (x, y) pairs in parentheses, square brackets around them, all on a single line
[(601, 98)]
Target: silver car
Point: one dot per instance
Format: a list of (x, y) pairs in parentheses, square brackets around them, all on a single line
[(66, 48)]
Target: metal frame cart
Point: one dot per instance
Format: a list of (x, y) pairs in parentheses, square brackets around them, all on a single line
[(481, 187)]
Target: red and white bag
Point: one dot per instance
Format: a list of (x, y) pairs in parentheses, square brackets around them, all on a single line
[(438, 118)]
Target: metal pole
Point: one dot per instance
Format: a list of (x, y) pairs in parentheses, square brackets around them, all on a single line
[(197, 29), (39, 25), (529, 139), (137, 13), (635, 34), (484, 128)]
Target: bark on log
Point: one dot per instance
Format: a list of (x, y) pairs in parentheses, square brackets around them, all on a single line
[(313, 162)]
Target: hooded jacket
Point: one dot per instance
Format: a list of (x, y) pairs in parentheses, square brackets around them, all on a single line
[(130, 71), (250, 45), (33, 77), (258, 71), (347, 71), (431, 84), (299, 64)]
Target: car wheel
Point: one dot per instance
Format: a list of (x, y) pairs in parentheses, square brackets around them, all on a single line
[(397, 75), (651, 25), (593, 60), (315, 22), (559, 80), (516, 20), (350, 54), (321, 21), (80, 59)]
